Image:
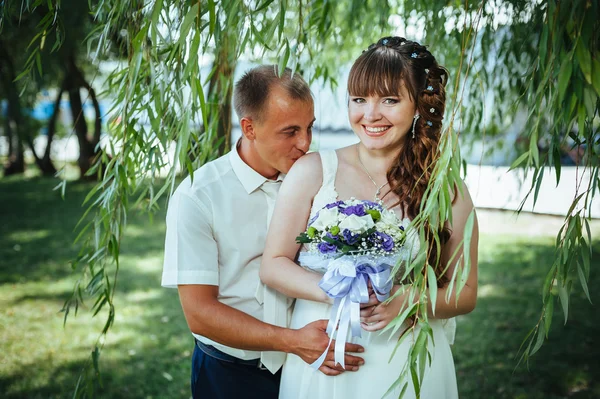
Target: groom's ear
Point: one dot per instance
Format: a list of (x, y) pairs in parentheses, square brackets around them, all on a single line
[(246, 124)]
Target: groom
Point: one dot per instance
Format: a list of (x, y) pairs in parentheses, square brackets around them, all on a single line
[(216, 228)]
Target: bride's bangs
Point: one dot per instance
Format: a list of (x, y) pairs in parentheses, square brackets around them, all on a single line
[(376, 73)]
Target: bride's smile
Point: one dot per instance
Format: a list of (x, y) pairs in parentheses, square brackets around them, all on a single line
[(381, 122)]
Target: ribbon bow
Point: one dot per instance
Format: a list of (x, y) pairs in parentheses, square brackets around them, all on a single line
[(346, 280)]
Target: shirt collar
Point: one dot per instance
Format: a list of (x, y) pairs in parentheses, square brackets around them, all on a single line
[(250, 179)]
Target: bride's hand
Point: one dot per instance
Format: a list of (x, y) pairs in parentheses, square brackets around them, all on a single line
[(376, 317), (372, 301)]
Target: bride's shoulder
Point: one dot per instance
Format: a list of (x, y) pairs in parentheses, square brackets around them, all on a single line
[(308, 166), (305, 175), (307, 169)]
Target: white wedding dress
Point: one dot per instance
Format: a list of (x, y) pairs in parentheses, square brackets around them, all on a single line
[(376, 376)]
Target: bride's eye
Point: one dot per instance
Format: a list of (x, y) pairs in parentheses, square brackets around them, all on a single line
[(391, 101), (358, 100)]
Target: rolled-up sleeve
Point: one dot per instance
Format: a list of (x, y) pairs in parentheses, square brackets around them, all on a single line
[(191, 255)]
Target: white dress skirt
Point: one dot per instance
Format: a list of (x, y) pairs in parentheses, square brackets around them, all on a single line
[(376, 376)]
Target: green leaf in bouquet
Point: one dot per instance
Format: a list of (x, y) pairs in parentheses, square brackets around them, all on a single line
[(348, 248), (375, 214), (335, 242), (367, 233), (303, 238)]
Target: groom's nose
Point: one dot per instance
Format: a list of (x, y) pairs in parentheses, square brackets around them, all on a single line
[(303, 142)]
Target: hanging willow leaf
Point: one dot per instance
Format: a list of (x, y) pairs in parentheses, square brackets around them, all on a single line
[(553, 79)]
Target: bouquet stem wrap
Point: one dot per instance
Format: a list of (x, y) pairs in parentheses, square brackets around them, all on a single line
[(346, 280)]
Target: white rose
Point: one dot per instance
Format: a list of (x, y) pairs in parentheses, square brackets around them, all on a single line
[(357, 224), (389, 217), (327, 218), (388, 220)]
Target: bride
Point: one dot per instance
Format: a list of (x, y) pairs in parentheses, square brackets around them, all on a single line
[(396, 105)]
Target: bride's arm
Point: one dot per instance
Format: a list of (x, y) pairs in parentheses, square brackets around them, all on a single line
[(461, 209), (292, 209), (379, 316)]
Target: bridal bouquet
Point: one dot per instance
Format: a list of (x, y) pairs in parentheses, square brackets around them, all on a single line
[(353, 243), (353, 227)]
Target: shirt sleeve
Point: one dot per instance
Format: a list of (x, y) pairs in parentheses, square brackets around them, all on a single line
[(191, 255)]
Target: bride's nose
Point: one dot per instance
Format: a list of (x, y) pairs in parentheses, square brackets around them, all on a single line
[(372, 113)]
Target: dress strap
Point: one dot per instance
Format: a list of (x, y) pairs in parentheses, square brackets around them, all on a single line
[(330, 163)]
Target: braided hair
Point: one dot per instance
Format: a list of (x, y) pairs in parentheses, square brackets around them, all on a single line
[(382, 70)]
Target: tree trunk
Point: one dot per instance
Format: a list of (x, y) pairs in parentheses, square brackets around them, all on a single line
[(8, 134), (220, 92), (98, 118), (46, 163), (31, 145), (16, 160), (14, 122), (87, 150)]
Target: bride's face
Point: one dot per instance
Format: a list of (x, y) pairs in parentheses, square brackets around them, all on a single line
[(382, 122)]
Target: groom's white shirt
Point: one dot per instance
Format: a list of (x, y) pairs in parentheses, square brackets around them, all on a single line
[(216, 230)]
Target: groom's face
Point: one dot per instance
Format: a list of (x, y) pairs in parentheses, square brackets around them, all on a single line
[(284, 131)]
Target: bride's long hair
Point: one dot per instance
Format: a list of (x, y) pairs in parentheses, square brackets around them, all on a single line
[(381, 70)]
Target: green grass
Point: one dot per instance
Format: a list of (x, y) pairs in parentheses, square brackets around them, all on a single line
[(148, 349)]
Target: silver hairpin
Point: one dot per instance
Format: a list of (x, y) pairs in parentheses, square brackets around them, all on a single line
[(430, 88), (414, 55), (432, 110)]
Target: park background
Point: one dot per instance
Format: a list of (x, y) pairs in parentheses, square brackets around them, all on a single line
[(147, 351)]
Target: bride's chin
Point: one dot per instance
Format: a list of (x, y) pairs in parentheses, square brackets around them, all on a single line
[(374, 144)]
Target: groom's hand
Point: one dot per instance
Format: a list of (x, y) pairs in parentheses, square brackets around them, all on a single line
[(311, 342)]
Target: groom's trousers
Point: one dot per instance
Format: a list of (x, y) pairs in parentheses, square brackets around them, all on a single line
[(217, 375)]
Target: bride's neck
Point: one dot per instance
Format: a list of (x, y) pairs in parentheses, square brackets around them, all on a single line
[(377, 161)]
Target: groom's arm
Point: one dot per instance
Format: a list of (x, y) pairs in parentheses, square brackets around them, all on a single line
[(191, 265), (210, 318)]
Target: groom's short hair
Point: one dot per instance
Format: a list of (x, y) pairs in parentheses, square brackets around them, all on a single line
[(252, 90)]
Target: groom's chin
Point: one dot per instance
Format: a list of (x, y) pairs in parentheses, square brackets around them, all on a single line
[(288, 165)]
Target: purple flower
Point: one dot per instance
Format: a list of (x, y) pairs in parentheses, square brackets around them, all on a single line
[(358, 210), (334, 204), (327, 248), (329, 235), (350, 237), (387, 243)]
